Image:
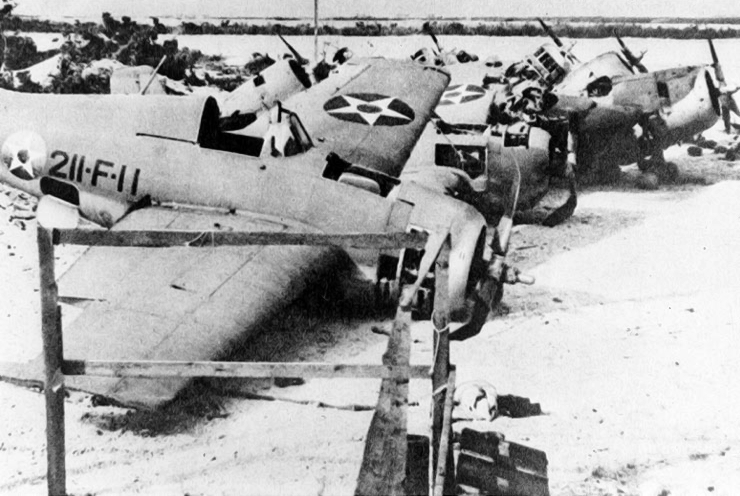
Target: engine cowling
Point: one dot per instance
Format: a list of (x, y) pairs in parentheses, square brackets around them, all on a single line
[(275, 83), (696, 112), (467, 232)]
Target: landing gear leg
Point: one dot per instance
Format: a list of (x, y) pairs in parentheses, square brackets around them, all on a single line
[(652, 161), (394, 273), (664, 172)]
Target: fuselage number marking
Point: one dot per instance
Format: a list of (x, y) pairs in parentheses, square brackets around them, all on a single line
[(101, 172)]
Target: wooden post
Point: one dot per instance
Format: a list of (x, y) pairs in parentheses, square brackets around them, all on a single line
[(383, 469), (441, 370), (445, 469), (51, 330)]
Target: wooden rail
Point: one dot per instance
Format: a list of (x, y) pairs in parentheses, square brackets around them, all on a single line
[(153, 369), (383, 469), (195, 239)]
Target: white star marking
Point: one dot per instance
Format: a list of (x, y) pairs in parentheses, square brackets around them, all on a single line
[(369, 117), (455, 96), (22, 160)]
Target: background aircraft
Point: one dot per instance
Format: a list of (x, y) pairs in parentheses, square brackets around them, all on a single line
[(276, 81), (613, 111), (487, 155), (626, 118), (620, 113), (132, 162), (334, 120)]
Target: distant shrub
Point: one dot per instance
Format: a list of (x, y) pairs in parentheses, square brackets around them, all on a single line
[(21, 52), (576, 27)]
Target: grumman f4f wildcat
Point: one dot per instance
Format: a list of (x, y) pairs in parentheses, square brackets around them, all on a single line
[(157, 162)]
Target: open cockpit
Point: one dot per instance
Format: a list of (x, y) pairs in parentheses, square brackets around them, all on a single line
[(283, 136)]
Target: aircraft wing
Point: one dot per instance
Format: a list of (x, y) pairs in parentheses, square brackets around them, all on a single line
[(466, 100), (371, 112), (176, 303)]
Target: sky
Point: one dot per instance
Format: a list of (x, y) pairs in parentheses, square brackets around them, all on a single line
[(381, 8)]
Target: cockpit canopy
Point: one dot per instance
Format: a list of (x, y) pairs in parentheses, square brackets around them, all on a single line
[(285, 135)]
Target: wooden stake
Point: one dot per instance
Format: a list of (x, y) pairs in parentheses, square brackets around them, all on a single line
[(445, 474), (383, 469), (51, 329), (441, 368)]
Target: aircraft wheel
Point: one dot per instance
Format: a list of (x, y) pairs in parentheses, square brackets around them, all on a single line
[(668, 172), (386, 285), (386, 294), (423, 304), (647, 181)]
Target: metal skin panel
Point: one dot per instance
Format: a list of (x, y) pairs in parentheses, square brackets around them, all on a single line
[(177, 303), (688, 107), (131, 80), (465, 100), (505, 163), (695, 112), (276, 82), (378, 132), (608, 64), (172, 171), (639, 92), (116, 115), (242, 300)]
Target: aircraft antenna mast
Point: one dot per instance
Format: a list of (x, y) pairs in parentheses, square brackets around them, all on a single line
[(315, 30)]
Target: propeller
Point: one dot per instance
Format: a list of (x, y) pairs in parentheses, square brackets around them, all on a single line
[(295, 52), (726, 100), (550, 33), (565, 51), (634, 61), (297, 67), (426, 27), (436, 42)]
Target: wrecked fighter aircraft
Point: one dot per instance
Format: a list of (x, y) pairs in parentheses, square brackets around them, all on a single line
[(157, 162), (487, 156)]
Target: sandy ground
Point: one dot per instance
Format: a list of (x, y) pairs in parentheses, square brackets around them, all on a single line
[(629, 341)]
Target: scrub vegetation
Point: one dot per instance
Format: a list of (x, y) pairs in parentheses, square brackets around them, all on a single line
[(565, 27), (123, 41)]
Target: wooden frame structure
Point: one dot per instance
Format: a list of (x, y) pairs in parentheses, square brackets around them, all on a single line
[(383, 469)]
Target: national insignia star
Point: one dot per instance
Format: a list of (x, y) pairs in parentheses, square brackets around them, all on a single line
[(370, 117), (21, 165), (461, 94)]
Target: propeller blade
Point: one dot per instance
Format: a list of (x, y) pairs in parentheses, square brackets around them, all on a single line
[(715, 62), (550, 33), (634, 61), (436, 42), (732, 104), (427, 28), (295, 52)]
